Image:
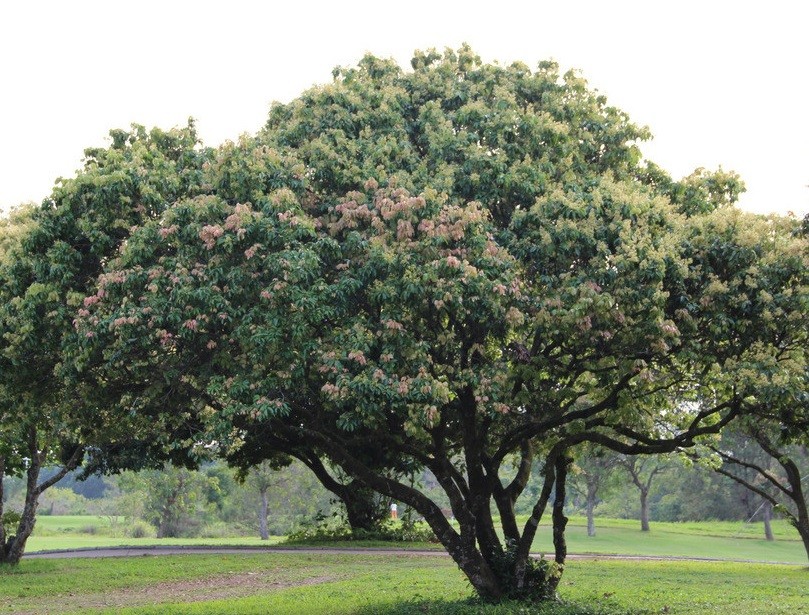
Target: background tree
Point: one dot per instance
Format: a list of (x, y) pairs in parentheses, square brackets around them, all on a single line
[(642, 471), (42, 285), (778, 476), (14, 226), (780, 425), (175, 500), (594, 474), (262, 478)]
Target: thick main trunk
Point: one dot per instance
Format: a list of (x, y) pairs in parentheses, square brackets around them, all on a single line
[(478, 571), (644, 510), (801, 523), (2, 509), (803, 530), (12, 547), (363, 510), (767, 515), (462, 547), (559, 521), (262, 516)]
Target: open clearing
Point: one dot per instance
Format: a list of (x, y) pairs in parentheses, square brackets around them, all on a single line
[(370, 583), (714, 540)]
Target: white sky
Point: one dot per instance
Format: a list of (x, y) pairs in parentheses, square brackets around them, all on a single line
[(718, 82)]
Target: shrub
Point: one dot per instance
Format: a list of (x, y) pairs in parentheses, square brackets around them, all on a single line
[(140, 529), (10, 520), (325, 530)]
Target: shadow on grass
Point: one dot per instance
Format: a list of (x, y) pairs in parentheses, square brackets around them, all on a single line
[(476, 607)]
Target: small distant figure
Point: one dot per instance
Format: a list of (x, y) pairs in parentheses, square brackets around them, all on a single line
[(394, 511)]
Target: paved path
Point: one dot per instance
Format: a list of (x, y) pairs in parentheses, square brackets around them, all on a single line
[(185, 550)]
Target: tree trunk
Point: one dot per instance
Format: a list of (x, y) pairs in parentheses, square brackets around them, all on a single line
[(480, 574), (803, 530), (644, 510), (559, 521), (591, 504), (363, 511), (262, 516), (801, 521), (767, 515), (14, 546), (2, 511)]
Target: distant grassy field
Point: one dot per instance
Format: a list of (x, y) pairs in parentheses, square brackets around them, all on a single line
[(48, 524), (86, 531), (371, 584), (721, 540)]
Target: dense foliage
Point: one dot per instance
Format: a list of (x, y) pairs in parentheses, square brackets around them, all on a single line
[(43, 279), (465, 268)]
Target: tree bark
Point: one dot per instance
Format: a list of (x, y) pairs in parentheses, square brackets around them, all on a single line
[(559, 519), (803, 530), (644, 510), (2, 511), (262, 516), (363, 511), (15, 545), (767, 515), (461, 547), (592, 490), (12, 548)]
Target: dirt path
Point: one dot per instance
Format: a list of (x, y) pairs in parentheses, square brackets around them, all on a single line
[(224, 586)]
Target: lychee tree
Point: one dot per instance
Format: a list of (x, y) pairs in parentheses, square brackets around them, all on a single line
[(465, 268)]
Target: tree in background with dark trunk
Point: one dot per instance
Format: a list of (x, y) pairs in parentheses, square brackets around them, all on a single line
[(774, 468), (642, 471), (593, 473)]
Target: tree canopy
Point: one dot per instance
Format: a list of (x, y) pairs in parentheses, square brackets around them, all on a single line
[(464, 267)]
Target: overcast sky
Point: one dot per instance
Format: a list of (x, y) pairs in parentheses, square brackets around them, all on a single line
[(718, 83)]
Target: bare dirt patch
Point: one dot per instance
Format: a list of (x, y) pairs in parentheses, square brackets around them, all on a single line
[(235, 585)]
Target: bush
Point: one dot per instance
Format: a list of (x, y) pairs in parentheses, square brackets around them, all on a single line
[(325, 530), (223, 529), (140, 529), (10, 520)]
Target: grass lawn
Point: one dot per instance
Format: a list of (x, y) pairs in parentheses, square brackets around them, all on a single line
[(710, 540), (366, 584), (720, 540), (86, 531)]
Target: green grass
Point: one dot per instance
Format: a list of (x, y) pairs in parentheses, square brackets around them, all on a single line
[(366, 584), (77, 541), (730, 529), (48, 525), (672, 539), (59, 532), (716, 540), (713, 540)]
